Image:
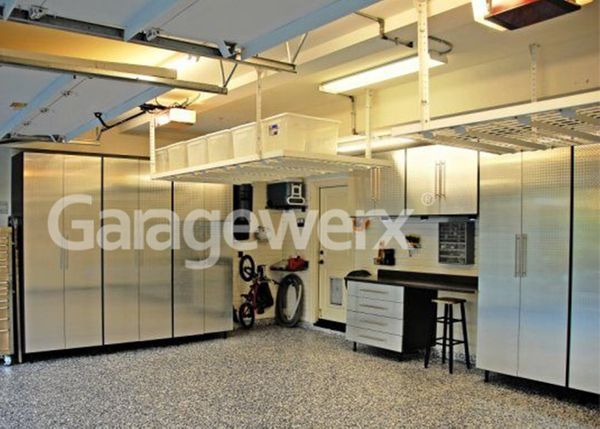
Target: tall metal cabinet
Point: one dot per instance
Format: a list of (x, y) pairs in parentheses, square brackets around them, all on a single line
[(584, 369), (137, 278), (62, 286), (202, 298), (524, 264)]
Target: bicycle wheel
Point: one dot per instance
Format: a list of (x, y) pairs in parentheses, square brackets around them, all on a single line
[(246, 315)]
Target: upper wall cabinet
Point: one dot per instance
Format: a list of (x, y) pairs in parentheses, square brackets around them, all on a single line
[(441, 180), (385, 191)]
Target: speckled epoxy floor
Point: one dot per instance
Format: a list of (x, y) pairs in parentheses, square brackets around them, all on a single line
[(271, 377)]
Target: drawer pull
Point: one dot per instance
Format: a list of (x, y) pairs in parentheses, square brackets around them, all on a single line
[(4, 319), (373, 322), (4, 331), (376, 307), (369, 337), (3, 308), (383, 292)]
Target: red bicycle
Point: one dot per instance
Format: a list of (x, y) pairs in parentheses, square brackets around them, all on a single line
[(259, 297)]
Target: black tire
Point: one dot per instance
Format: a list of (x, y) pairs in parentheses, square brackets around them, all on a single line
[(247, 268), (246, 315), (289, 321)]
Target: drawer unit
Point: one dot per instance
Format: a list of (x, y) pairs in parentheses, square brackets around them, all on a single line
[(389, 316), (376, 307), (374, 338), (375, 323), (376, 291)]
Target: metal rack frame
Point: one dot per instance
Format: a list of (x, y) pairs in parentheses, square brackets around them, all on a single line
[(271, 166), (562, 121)]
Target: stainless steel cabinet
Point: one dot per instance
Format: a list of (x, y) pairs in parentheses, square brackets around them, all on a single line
[(62, 287), (137, 278), (155, 263), (383, 192), (188, 284), (524, 264), (441, 180), (584, 369), (202, 297)]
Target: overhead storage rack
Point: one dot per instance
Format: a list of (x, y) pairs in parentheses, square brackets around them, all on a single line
[(563, 121), (272, 166)]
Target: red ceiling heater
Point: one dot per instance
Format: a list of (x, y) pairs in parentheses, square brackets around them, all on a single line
[(515, 14)]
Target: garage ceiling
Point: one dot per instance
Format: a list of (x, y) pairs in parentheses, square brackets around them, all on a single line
[(51, 103), (41, 103), (254, 26)]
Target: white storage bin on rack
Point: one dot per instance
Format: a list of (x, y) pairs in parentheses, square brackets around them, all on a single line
[(177, 156), (290, 131), (197, 152), (220, 146), (161, 160), (244, 140)]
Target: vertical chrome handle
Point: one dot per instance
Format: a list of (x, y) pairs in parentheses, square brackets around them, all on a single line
[(524, 255), (372, 182), (517, 255), (436, 180), (66, 253), (443, 178)]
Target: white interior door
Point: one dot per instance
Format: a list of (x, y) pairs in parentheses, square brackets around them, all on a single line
[(335, 264)]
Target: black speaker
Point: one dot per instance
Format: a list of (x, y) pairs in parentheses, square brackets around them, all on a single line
[(242, 200)]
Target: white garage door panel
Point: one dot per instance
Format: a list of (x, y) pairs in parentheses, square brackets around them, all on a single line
[(108, 12), (21, 85), (237, 21), (93, 95)]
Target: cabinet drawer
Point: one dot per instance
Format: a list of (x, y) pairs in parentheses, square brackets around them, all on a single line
[(374, 323), (4, 323), (374, 338), (376, 291), (375, 306), (4, 343)]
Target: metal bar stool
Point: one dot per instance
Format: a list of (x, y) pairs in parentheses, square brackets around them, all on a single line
[(447, 339)]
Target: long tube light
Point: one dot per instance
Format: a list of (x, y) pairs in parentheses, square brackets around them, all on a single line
[(401, 67), (353, 145)]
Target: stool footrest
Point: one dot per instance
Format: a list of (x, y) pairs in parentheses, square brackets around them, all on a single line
[(454, 342), (454, 320)]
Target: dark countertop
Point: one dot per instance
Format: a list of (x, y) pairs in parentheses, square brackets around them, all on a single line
[(451, 283)]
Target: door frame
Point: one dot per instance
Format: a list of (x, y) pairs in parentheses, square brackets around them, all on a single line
[(314, 203)]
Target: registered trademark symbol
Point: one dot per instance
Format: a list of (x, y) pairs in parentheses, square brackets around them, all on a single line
[(427, 199)]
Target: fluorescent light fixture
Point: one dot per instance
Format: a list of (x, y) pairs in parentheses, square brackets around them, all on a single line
[(358, 144), (178, 117), (182, 62), (401, 67)]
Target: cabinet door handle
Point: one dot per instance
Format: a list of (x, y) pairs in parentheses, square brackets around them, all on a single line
[(436, 180), (443, 179), (375, 307), (369, 337), (524, 255), (373, 322), (383, 292), (517, 255)]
